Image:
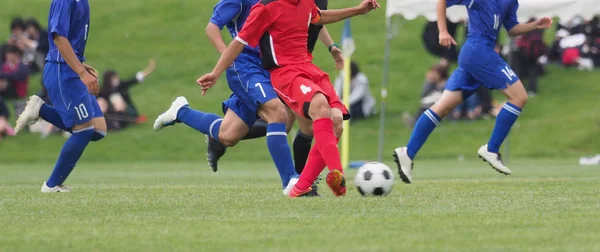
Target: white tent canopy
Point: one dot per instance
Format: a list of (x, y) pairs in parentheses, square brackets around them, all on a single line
[(411, 9), (564, 9)]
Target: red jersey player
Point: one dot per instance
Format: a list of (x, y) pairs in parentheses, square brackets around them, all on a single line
[(280, 28)]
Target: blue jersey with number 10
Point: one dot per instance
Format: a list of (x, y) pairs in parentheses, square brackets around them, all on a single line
[(69, 19), (486, 16)]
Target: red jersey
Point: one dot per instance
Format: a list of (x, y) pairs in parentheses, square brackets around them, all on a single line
[(280, 28)]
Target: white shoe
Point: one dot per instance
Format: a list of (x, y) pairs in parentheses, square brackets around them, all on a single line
[(290, 186), (494, 159), (404, 163), (30, 114), (168, 117), (58, 188)]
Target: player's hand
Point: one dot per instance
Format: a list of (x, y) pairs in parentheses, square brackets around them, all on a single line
[(207, 81), (91, 70), (90, 81), (446, 40), (543, 23), (368, 5), (338, 56)]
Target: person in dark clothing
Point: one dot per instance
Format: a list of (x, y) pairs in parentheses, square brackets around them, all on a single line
[(115, 100), (5, 128), (15, 75), (35, 45), (435, 81), (531, 47), (431, 41), (17, 29)]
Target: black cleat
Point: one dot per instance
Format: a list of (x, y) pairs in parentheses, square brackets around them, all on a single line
[(214, 152), (315, 189)]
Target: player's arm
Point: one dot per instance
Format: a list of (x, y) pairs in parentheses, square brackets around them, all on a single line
[(335, 51), (520, 29), (225, 11), (445, 39), (332, 16), (68, 54)]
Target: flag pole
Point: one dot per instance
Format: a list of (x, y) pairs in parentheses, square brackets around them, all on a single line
[(348, 48)]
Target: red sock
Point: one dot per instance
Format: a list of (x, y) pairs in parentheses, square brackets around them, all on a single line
[(314, 166), (326, 142)]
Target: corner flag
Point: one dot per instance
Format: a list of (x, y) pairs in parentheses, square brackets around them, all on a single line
[(348, 48)]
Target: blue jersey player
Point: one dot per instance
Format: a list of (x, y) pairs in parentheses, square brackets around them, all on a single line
[(478, 65), (71, 86), (253, 96)]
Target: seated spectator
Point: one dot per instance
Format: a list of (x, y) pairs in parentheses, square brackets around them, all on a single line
[(5, 128), (362, 102), (17, 30), (435, 82), (15, 75), (430, 38), (470, 109), (35, 45), (115, 101)]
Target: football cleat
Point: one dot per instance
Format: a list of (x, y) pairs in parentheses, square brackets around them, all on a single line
[(315, 186), (336, 181), (214, 152), (404, 163), (58, 188), (296, 193), (291, 184), (30, 114), (494, 159), (169, 117)]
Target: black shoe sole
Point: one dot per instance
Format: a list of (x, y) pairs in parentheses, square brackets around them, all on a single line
[(499, 171), (402, 175)]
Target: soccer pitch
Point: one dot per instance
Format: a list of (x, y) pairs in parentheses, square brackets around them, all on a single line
[(546, 205)]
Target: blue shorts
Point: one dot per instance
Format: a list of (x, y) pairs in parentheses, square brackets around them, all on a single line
[(69, 96), (251, 86), (479, 65)]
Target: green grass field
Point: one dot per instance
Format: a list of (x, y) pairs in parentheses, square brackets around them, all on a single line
[(139, 190), (453, 206)]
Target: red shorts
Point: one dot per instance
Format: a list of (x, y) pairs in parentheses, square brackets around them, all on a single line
[(297, 84)]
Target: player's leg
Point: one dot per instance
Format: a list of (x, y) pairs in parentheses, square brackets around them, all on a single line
[(427, 122), (99, 123), (74, 105), (497, 74), (302, 143)]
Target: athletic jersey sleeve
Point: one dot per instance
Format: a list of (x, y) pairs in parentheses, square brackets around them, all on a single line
[(258, 22), (457, 2), (225, 11), (511, 20), (60, 17), (315, 14)]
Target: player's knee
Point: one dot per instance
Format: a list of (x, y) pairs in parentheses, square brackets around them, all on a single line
[(319, 107), (338, 125)]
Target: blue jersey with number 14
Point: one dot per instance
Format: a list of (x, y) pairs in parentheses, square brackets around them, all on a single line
[(478, 63), (69, 19)]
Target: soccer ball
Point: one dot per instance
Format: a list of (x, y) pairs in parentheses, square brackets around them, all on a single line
[(374, 179)]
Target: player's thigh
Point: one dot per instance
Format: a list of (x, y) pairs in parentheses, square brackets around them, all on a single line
[(273, 111), (291, 119), (305, 125), (447, 102)]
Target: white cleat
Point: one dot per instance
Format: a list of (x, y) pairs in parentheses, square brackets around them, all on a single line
[(404, 163), (290, 186), (494, 159), (168, 117), (30, 114), (58, 188)]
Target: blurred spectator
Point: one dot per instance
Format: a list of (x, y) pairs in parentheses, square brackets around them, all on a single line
[(35, 45), (115, 101), (435, 81), (530, 47), (17, 29), (431, 41), (14, 73), (362, 102), (5, 128)]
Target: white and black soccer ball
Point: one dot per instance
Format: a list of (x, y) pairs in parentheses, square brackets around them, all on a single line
[(374, 179)]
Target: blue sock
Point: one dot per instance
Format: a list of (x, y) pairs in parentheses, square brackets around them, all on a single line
[(49, 114), (424, 126), (206, 123), (504, 121), (69, 155), (280, 152)]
